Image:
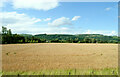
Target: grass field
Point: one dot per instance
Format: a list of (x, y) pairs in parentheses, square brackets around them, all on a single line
[(60, 59)]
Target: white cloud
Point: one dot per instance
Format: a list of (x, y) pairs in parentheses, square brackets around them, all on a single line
[(64, 28), (22, 23), (56, 30), (35, 4), (47, 19), (15, 18), (89, 0), (16, 21), (109, 33), (37, 20), (2, 2), (61, 21), (113, 33), (75, 18), (107, 9), (88, 32), (31, 4)]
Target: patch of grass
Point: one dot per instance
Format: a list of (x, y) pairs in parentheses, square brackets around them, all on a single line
[(107, 71), (101, 54), (7, 53), (0, 73), (14, 52)]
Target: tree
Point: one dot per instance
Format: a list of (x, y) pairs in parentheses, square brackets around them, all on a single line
[(4, 30), (93, 40), (39, 41), (86, 40), (9, 32), (32, 38)]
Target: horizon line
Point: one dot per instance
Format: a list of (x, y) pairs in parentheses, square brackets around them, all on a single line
[(64, 34)]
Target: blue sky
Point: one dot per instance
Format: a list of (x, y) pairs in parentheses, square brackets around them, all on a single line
[(61, 17)]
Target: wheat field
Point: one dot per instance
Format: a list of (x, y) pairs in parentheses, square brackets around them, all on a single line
[(58, 56)]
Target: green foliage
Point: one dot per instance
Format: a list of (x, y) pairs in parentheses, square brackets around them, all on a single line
[(106, 71), (9, 38), (82, 38)]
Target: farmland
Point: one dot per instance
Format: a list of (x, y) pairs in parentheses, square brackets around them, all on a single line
[(60, 58)]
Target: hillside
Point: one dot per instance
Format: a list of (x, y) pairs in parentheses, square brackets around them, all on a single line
[(89, 38), (9, 38)]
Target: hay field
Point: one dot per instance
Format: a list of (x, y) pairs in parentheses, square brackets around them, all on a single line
[(58, 56)]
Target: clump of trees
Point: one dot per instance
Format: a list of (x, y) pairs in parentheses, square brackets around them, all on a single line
[(6, 37)]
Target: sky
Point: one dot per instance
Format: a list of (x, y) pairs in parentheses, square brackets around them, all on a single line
[(39, 17)]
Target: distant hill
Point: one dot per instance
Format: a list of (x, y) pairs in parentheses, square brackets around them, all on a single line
[(79, 37), (9, 38), (26, 35)]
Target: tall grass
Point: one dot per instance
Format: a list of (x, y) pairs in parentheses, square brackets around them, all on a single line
[(107, 71)]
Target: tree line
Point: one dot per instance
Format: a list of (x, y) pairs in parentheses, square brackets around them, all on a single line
[(8, 38)]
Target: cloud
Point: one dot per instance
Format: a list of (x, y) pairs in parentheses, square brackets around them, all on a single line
[(31, 4), (113, 33), (47, 19), (64, 28), (107, 9), (35, 4), (60, 22), (75, 18), (109, 33), (16, 21), (37, 20), (22, 23), (89, 0), (15, 18), (2, 2)]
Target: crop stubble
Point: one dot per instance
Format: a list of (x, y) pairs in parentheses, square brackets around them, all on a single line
[(35, 57)]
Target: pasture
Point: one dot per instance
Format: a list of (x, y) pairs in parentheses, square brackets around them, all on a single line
[(60, 59)]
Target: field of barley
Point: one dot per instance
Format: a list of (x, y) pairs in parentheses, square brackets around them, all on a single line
[(60, 59)]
